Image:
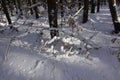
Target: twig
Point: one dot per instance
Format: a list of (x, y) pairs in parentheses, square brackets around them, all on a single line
[(78, 11), (7, 50), (34, 5)]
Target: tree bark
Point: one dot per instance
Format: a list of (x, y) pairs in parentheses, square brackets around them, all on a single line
[(62, 9), (98, 5), (79, 4), (116, 22), (35, 9), (93, 6), (5, 10), (19, 6), (85, 12), (52, 14), (30, 3)]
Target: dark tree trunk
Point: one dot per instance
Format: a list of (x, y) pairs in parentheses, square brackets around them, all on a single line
[(19, 6), (113, 11), (5, 10), (79, 4), (105, 2), (52, 14), (85, 12), (45, 4), (10, 7), (93, 6), (98, 5), (62, 9), (35, 9), (30, 3)]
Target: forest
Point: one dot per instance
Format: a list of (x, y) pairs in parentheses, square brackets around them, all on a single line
[(59, 39)]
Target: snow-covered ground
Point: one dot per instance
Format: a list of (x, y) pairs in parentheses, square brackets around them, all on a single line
[(30, 55)]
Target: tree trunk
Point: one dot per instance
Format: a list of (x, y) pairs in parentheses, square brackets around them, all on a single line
[(92, 6), (52, 14), (16, 7), (79, 4), (35, 9), (85, 12), (19, 6), (30, 3), (112, 6), (5, 10), (62, 9), (98, 5)]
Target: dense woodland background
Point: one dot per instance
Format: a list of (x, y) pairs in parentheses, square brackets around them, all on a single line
[(55, 8)]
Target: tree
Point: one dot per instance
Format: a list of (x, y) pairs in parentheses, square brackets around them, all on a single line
[(5, 10), (116, 22), (19, 6), (93, 3), (36, 9), (29, 4), (52, 14), (98, 5), (62, 9), (85, 12), (79, 2)]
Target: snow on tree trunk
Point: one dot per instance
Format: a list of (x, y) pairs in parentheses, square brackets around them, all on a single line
[(62, 9), (35, 9), (5, 10), (116, 22), (52, 14), (19, 6)]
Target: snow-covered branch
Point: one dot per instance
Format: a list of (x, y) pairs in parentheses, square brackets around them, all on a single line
[(78, 11), (33, 5)]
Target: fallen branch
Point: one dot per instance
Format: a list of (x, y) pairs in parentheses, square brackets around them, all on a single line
[(78, 11), (34, 5)]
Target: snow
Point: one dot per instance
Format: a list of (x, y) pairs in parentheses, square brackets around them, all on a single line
[(34, 56)]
